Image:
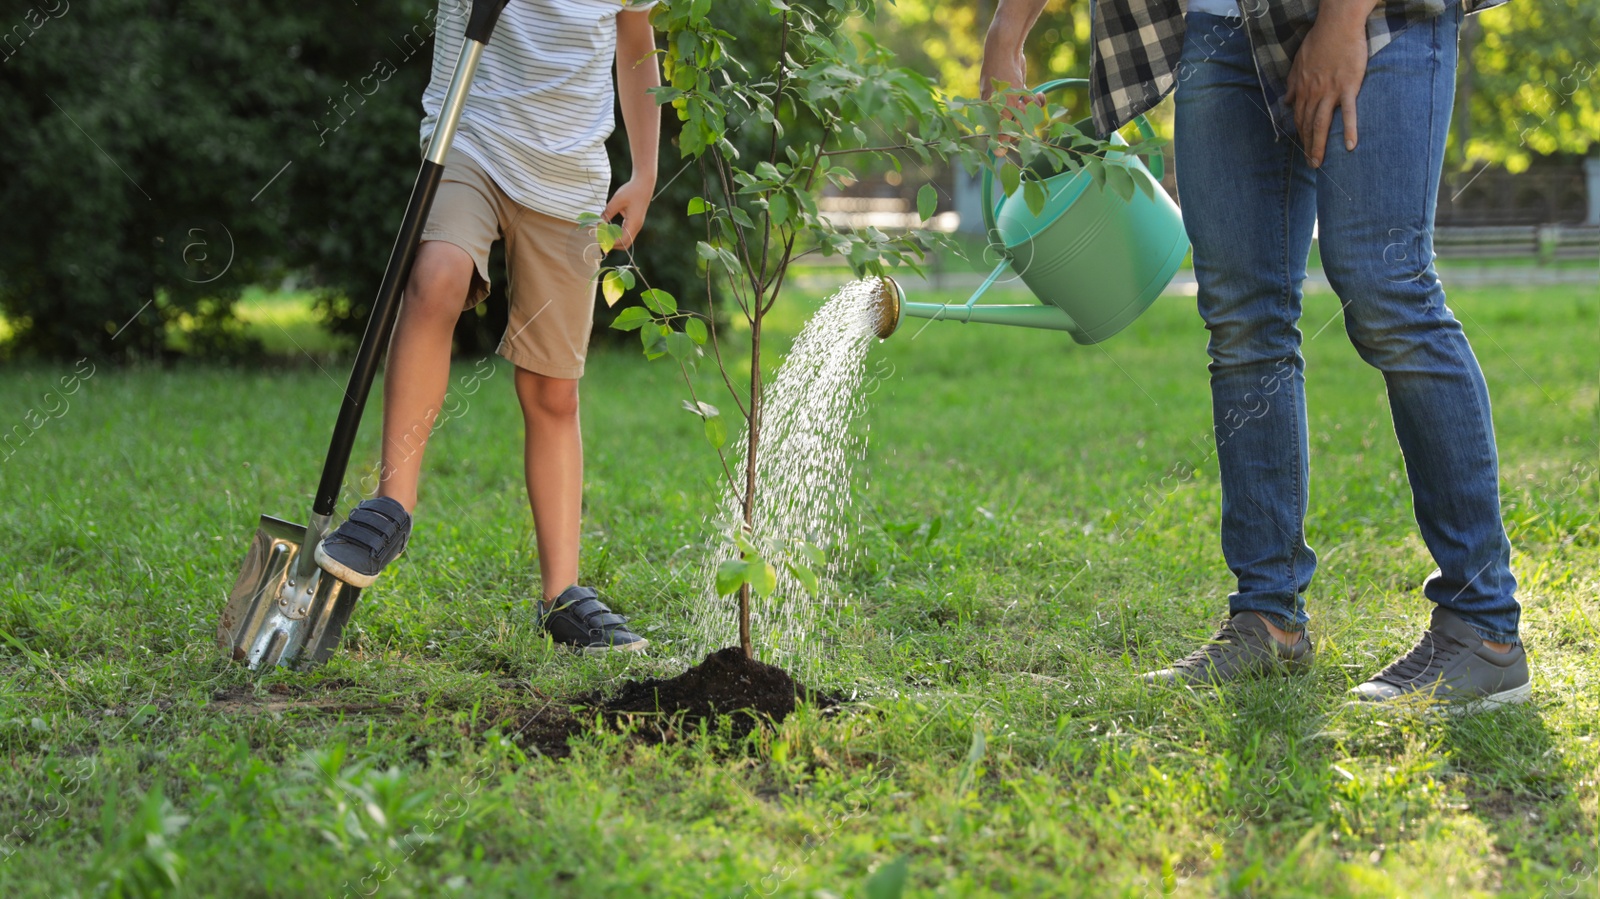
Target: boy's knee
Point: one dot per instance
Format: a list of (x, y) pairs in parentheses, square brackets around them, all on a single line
[(547, 397), (440, 278)]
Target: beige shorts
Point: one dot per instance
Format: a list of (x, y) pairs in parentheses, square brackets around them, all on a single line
[(550, 267)]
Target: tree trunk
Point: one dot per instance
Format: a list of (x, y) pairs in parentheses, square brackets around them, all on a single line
[(750, 468)]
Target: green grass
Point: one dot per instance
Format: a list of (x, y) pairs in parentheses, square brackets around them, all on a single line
[(285, 324), (998, 743)]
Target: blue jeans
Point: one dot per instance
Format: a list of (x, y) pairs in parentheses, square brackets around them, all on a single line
[(1249, 202)]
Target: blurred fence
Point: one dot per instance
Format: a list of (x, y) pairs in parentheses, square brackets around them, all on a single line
[(1544, 243)]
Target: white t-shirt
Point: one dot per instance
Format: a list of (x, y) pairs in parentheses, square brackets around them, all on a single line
[(539, 109), (1215, 7)]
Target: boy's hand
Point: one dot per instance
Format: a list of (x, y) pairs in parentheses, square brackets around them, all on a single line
[(632, 202)]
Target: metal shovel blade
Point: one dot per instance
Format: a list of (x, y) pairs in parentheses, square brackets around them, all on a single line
[(283, 611)]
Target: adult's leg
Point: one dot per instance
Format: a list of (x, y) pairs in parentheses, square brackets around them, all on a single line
[(1376, 208), (418, 371), (553, 461), (1248, 205)]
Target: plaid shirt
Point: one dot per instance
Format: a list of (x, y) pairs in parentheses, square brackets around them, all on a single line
[(1136, 45)]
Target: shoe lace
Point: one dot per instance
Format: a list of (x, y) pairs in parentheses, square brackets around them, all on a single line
[(1432, 652), (1207, 654)]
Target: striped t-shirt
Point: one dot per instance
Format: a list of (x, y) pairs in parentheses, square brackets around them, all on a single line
[(539, 109)]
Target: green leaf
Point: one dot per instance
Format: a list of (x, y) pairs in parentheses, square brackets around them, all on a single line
[(1034, 194), (742, 217), (806, 577), (742, 540), (927, 201), (778, 206), (607, 234), (1118, 179), (762, 576), (1010, 177), (716, 431), (705, 251), (812, 552), (1147, 185), (698, 205), (1097, 172), (680, 347), (730, 576), (659, 301), (654, 338), (696, 329), (631, 317), (612, 287)]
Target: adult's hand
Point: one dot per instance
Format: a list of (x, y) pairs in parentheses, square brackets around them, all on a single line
[(1327, 73), (1003, 62)]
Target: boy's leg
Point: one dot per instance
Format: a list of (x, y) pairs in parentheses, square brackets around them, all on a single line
[(553, 264), (418, 371), (553, 458), (449, 274)]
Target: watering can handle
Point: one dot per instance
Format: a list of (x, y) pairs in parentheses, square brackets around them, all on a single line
[(991, 209)]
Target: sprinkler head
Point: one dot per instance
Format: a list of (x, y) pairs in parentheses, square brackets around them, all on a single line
[(888, 299)]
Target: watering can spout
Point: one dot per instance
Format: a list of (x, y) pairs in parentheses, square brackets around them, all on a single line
[(891, 306)]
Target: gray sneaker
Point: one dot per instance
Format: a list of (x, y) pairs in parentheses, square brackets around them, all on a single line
[(1241, 649), (1451, 669)]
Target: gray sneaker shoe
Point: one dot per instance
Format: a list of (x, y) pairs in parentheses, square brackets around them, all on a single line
[(1241, 649), (1450, 669)]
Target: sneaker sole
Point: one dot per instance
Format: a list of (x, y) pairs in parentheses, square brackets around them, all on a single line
[(1494, 701), (1491, 703), (341, 571), (636, 646), (1286, 668)]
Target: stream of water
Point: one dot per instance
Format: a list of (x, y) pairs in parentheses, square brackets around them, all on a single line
[(807, 454)]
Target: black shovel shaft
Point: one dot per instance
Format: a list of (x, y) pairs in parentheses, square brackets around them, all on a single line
[(380, 322)]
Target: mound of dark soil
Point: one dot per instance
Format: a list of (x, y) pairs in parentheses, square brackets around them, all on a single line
[(726, 683)]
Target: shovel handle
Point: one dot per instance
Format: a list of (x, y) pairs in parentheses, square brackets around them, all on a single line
[(480, 24), (380, 323)]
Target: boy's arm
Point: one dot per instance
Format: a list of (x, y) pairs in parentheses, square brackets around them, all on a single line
[(638, 70)]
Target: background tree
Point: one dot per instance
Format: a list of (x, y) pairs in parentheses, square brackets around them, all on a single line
[(1530, 83), (162, 156), (945, 40)]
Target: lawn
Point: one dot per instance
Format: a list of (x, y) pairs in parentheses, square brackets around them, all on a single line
[(1028, 541)]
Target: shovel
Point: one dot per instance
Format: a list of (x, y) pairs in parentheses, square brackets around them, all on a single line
[(284, 610)]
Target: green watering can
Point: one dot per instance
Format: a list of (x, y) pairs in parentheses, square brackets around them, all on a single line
[(1095, 260)]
